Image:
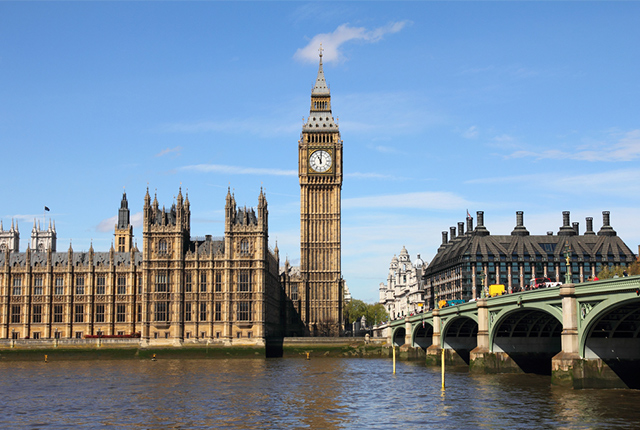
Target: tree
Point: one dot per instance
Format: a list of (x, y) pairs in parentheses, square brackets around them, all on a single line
[(354, 310), (375, 314)]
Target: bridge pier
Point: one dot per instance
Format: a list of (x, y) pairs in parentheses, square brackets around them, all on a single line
[(481, 359), (433, 352)]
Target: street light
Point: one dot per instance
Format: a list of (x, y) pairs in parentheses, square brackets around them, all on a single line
[(567, 257)]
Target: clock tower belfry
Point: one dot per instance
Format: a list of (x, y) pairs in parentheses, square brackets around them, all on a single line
[(320, 173)]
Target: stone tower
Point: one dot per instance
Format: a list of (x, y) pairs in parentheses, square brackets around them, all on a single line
[(320, 173), (9, 239), (123, 229), (43, 240), (166, 237)]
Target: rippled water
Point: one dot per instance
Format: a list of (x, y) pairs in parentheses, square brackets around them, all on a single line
[(322, 393)]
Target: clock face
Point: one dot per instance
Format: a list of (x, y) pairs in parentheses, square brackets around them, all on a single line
[(320, 161)]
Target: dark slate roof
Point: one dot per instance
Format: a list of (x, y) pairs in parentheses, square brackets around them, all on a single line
[(204, 247), (480, 247)]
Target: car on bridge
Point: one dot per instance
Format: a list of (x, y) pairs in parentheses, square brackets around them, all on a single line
[(543, 283)]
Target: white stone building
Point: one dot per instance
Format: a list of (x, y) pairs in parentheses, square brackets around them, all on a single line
[(403, 294)]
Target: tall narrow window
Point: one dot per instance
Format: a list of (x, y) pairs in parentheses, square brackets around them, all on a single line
[(244, 283), (79, 285), (59, 288), (218, 282), (161, 282), (17, 286), (162, 246), (294, 292), (79, 314), (57, 313), (37, 285), (161, 311), (100, 284), (187, 312), (218, 311), (203, 311), (244, 311), (139, 313), (36, 315), (99, 313), (122, 284), (187, 282), (16, 310), (244, 246), (121, 313), (203, 282)]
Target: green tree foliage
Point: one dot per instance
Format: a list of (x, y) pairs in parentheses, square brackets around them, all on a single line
[(610, 272), (354, 310), (374, 313)]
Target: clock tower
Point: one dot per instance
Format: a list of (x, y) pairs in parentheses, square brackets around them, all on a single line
[(320, 173)]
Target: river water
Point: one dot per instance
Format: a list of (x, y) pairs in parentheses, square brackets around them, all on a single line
[(322, 393)]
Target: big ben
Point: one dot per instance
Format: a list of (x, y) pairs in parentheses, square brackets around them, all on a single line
[(320, 173)]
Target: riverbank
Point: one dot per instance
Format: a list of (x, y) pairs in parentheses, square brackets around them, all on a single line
[(133, 349)]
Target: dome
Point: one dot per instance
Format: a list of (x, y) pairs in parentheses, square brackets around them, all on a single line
[(418, 263)]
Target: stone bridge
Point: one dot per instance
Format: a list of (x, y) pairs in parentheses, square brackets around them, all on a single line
[(585, 335)]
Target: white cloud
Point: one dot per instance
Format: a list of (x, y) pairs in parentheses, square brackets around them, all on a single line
[(471, 132), (237, 170), (626, 148), (332, 42), (166, 151), (417, 200)]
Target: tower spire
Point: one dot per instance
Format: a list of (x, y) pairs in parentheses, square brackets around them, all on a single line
[(320, 89)]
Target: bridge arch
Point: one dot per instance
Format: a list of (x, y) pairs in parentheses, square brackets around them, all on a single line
[(611, 333), (614, 318), (422, 335), (529, 335), (460, 333), (398, 336)]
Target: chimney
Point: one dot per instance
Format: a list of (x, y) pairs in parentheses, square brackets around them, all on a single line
[(452, 230), (460, 229), (606, 229), (576, 228), (469, 225), (520, 229), (566, 229), (589, 226), (481, 230), (444, 238)]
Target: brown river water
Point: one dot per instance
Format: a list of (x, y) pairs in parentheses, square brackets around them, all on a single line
[(322, 393)]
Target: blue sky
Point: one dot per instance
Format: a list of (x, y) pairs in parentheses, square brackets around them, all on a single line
[(443, 108)]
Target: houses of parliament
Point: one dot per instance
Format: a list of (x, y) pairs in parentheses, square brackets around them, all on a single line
[(178, 288)]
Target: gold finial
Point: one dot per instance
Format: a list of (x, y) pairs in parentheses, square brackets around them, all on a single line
[(320, 50)]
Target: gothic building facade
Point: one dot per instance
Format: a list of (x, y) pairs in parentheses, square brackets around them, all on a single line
[(179, 289), (403, 294), (467, 262)]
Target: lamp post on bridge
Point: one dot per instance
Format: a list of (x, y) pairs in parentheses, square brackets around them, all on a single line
[(567, 257)]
